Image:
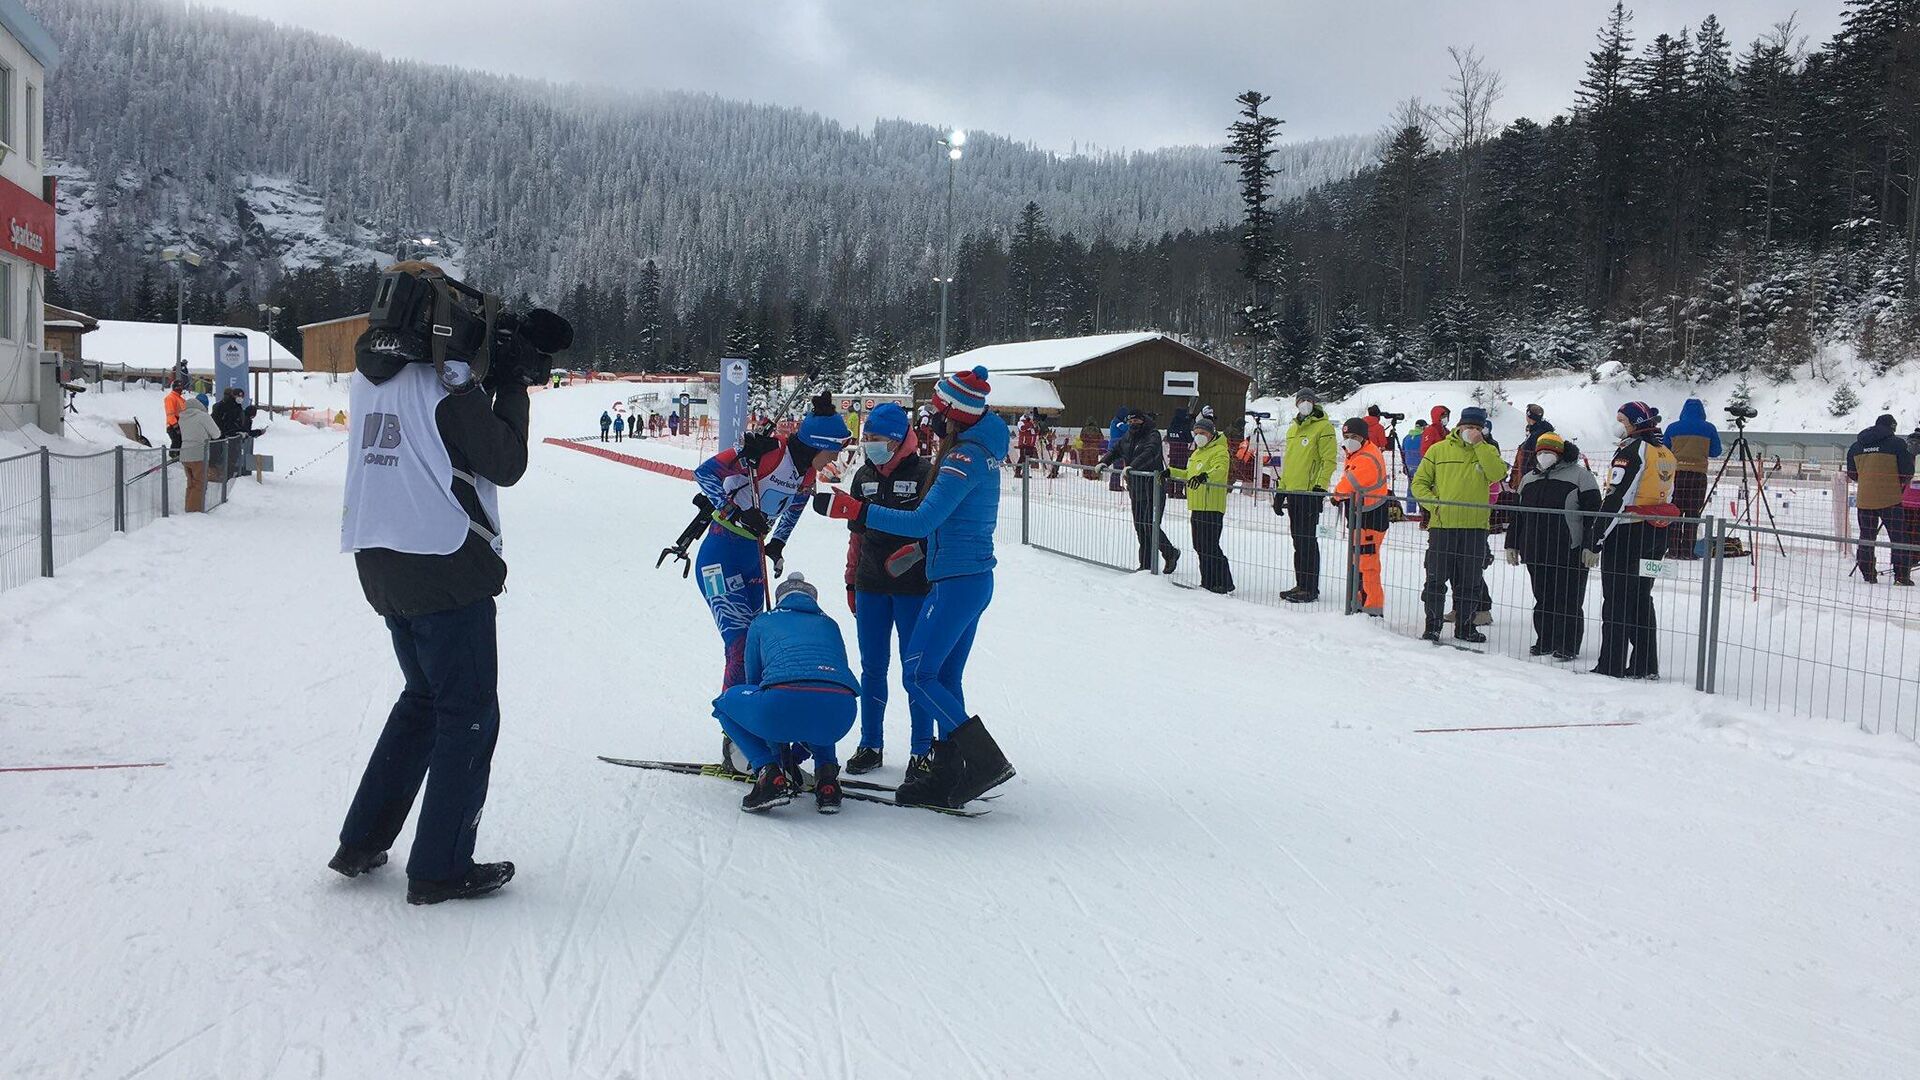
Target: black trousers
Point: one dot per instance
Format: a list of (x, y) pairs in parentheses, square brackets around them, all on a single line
[(1559, 605), (1303, 518), (1629, 638), (1456, 559), (1690, 496), (1895, 519), (442, 730), (1146, 520), (1215, 573)]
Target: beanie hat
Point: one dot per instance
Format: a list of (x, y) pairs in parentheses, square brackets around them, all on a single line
[(1887, 421), (1550, 443), (1473, 416), (887, 420), (1205, 423), (1306, 395), (1639, 415), (823, 432), (962, 395), (1355, 426), (1535, 412), (795, 583)]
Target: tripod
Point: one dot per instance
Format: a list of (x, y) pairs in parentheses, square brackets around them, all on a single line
[(1260, 450), (1750, 467)]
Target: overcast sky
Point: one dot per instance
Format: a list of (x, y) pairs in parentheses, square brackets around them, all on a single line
[(1132, 74)]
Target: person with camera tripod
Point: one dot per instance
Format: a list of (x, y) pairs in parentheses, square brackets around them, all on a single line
[(441, 423), (1639, 504)]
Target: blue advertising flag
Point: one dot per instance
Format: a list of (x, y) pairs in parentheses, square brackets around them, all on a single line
[(733, 402), (229, 363)]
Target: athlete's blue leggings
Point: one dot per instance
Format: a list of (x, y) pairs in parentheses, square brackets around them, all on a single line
[(734, 582), (937, 655), (760, 719), (877, 617)]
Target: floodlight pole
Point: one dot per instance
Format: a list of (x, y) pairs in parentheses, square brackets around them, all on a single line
[(953, 143)]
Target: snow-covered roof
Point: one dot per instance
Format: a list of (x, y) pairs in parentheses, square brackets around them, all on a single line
[(1023, 392), (149, 346), (1036, 357)]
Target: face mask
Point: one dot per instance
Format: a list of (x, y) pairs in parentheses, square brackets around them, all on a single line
[(1545, 461), (878, 452), (1626, 430), (1471, 436), (1201, 438), (1351, 444), (1305, 408)]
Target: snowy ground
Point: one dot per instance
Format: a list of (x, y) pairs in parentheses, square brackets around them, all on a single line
[(1197, 873)]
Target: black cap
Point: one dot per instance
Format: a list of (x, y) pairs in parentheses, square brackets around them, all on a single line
[(1886, 421), (1355, 426)]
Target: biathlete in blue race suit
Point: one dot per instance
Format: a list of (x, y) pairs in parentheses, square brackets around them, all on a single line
[(758, 493), (798, 690), (956, 519), (887, 580)]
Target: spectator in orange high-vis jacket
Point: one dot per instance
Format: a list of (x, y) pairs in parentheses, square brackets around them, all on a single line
[(172, 403), (1363, 483)]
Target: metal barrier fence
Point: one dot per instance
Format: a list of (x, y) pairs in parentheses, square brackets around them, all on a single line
[(55, 508), (1776, 618)]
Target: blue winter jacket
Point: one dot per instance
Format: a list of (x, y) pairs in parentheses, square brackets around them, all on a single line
[(1693, 438), (797, 642), (960, 510), (1410, 454), (1118, 429)]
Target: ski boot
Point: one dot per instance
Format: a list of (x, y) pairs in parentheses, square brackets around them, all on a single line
[(964, 767), (771, 788), (733, 759), (864, 760), (826, 789), (352, 862), (479, 881), (919, 765)]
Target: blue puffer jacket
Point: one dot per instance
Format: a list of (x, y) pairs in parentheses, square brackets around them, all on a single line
[(797, 642), (959, 512)]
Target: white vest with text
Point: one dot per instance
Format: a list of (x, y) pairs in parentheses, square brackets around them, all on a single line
[(400, 479)]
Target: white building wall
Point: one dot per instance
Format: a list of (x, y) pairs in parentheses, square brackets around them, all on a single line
[(22, 337)]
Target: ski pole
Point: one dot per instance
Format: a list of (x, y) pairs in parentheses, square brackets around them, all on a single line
[(694, 528)]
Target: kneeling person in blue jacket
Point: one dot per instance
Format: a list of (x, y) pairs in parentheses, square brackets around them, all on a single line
[(798, 689)]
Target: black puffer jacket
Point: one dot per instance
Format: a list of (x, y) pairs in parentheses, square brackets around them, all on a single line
[(1567, 498), (869, 550), (1138, 450)]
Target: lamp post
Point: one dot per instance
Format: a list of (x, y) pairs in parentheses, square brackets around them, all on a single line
[(953, 142), (182, 259), (270, 311)]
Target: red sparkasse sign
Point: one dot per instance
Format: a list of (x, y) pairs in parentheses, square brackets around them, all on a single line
[(26, 224)]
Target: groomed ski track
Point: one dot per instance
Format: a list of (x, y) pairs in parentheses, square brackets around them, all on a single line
[(1227, 852)]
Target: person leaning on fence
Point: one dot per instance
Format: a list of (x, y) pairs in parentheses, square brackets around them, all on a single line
[(1881, 463), (1312, 454), (1694, 441), (1556, 533), (1639, 504), (1207, 474), (1363, 484), (1138, 454), (1458, 471), (197, 433)]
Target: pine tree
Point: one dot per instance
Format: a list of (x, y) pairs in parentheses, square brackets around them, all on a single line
[(647, 330), (1844, 401), (1347, 356), (1605, 112), (1030, 273), (1403, 194), (1250, 149)]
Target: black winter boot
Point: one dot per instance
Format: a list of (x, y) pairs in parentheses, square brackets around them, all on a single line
[(930, 779), (826, 789), (352, 862), (479, 881), (771, 788), (1903, 577), (864, 760), (1869, 574), (982, 766)]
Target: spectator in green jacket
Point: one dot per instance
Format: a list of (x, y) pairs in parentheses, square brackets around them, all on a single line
[(1454, 486), (1311, 454), (1207, 474)]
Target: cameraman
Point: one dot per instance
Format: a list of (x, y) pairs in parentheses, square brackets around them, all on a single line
[(436, 430)]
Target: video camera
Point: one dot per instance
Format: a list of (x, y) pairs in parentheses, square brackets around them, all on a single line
[(420, 314), (1260, 415), (1742, 413)]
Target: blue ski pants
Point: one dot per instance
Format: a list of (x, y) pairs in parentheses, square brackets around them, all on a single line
[(733, 579), (760, 719), (878, 618), (936, 658), (442, 731)]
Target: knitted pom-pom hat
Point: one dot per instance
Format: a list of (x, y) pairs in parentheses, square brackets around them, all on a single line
[(962, 396)]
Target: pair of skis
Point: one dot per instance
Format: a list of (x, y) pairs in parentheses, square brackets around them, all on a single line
[(857, 790)]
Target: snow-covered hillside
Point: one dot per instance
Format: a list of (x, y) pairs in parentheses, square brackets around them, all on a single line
[(1230, 851)]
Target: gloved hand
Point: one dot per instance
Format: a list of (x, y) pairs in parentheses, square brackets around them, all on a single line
[(1279, 505), (754, 446), (1513, 556), (905, 559), (753, 520), (1589, 558), (777, 555), (1198, 478), (840, 505)]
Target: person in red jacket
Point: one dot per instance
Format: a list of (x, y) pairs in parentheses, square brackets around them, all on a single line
[(1376, 431), (1437, 430)]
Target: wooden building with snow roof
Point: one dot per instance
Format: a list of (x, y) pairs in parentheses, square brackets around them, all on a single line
[(1091, 377)]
